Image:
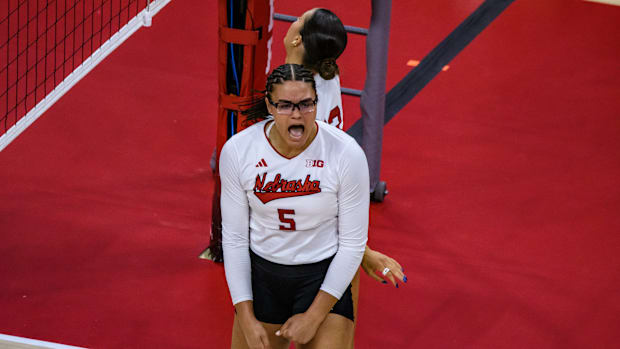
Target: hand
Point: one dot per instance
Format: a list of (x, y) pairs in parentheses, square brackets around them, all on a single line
[(253, 331), (255, 334), (300, 328), (375, 262)]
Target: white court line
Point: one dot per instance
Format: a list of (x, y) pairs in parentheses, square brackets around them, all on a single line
[(10, 342), (608, 2)]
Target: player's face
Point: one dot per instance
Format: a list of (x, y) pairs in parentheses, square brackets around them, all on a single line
[(292, 39), (294, 129)]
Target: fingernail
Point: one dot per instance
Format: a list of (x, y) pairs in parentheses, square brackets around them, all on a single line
[(402, 269), (405, 278), (396, 285), (384, 282), (277, 332)]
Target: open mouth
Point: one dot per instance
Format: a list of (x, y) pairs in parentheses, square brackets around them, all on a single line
[(296, 131)]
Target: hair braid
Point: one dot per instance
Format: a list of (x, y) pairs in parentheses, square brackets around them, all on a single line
[(257, 109)]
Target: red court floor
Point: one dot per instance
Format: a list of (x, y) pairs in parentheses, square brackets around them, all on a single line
[(503, 176)]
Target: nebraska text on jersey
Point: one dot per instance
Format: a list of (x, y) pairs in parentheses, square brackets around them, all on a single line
[(281, 188)]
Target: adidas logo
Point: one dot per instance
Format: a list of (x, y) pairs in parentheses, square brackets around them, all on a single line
[(262, 163)]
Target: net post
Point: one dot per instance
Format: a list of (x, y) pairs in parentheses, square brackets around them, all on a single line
[(245, 33)]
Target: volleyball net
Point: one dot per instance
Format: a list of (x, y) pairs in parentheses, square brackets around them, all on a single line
[(47, 46)]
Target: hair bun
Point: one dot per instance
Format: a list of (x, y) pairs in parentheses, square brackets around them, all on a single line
[(327, 68)]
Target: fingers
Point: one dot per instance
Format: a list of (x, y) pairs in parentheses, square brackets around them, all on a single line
[(257, 338), (283, 331), (395, 272), (372, 274), (376, 277), (398, 266), (390, 277), (375, 262), (398, 273), (265, 341)]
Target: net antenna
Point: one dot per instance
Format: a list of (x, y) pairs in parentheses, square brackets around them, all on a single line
[(47, 47)]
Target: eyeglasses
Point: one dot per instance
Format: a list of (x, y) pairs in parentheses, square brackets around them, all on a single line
[(287, 108)]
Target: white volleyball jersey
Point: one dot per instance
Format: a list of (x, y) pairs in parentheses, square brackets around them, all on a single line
[(293, 210), (329, 107)]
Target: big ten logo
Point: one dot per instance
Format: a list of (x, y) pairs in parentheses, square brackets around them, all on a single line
[(314, 163)]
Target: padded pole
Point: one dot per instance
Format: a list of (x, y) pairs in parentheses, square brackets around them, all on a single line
[(372, 101)]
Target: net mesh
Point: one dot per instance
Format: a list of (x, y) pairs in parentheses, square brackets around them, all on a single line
[(43, 41)]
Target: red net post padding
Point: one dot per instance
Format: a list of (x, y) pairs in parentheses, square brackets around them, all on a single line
[(255, 38)]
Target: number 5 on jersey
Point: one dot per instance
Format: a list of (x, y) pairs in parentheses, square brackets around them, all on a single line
[(286, 220)]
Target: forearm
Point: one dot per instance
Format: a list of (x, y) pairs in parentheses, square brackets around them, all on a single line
[(245, 310), (255, 334), (237, 267), (342, 269), (321, 306), (353, 208), (301, 328)]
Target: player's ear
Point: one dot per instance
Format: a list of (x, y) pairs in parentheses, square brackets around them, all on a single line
[(296, 41)]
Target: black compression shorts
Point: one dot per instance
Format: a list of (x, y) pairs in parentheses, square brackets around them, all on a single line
[(281, 291)]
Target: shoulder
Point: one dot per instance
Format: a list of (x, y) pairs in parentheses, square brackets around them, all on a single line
[(319, 80), (327, 85), (336, 136), (244, 141), (249, 135), (344, 151)]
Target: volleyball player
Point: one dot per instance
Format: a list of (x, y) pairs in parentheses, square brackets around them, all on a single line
[(295, 202), (316, 40)]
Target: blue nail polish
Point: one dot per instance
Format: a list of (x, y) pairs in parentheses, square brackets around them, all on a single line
[(396, 285), (405, 279), (384, 282)]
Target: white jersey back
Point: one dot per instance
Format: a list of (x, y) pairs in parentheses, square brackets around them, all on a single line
[(329, 107)]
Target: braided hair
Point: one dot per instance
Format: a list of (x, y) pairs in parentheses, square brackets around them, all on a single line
[(257, 109), (324, 38)]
